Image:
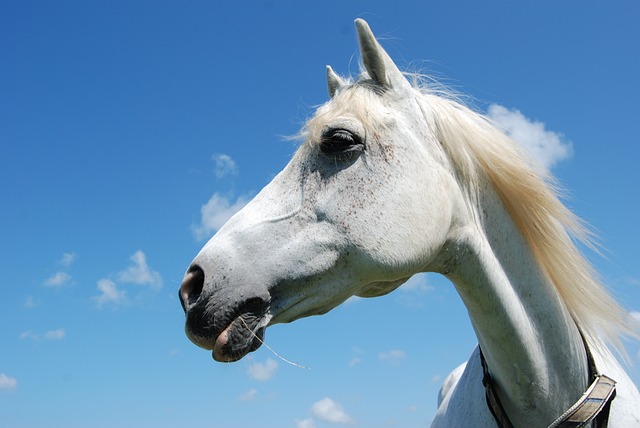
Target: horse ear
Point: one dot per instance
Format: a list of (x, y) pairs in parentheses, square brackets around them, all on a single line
[(377, 62), (333, 81)]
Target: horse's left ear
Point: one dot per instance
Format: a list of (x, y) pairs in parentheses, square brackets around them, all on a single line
[(333, 81), (377, 62)]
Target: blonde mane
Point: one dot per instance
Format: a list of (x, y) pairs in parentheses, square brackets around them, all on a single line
[(477, 148)]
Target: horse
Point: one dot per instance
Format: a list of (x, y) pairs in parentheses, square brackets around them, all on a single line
[(391, 179)]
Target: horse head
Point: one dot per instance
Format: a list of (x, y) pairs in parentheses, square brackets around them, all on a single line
[(368, 200)]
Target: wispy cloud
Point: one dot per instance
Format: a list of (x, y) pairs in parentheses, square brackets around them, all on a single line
[(57, 280), (31, 302), (109, 293), (418, 283), (215, 213), (328, 410), (249, 395), (395, 356), (224, 165), (67, 259), (140, 273), (305, 423), (356, 359), (547, 147), (436, 379), (57, 334), (635, 319), (219, 208), (62, 277), (415, 292), (632, 281), (263, 371), (28, 335), (7, 382)]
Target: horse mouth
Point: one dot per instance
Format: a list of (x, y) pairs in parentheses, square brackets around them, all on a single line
[(242, 336), (220, 322), (230, 335)]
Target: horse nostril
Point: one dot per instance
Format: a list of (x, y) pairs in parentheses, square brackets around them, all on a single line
[(191, 286)]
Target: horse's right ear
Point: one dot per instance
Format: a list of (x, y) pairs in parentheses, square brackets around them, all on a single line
[(372, 53), (377, 62), (333, 81)]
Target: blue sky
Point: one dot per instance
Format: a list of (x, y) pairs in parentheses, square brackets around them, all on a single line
[(130, 130)]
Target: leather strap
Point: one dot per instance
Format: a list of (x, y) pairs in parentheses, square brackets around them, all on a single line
[(593, 406), (492, 398), (592, 402)]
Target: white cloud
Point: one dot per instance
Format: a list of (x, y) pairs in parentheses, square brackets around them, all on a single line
[(224, 165), (395, 356), (632, 281), (57, 280), (330, 411), (61, 278), (547, 147), (28, 335), (215, 213), (635, 319), (249, 395), (7, 382), (305, 423), (109, 293), (140, 272), (31, 302), (55, 334), (418, 282), (355, 361), (263, 371), (67, 259)]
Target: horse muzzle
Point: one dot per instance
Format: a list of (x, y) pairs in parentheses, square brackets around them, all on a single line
[(229, 323)]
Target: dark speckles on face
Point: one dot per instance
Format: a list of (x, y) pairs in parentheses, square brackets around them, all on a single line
[(334, 222)]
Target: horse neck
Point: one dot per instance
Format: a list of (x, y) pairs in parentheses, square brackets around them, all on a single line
[(532, 346)]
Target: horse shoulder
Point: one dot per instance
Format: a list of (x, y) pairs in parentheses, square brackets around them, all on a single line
[(625, 407), (450, 383), (461, 402)]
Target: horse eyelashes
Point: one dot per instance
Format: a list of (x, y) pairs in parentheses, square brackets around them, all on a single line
[(340, 142)]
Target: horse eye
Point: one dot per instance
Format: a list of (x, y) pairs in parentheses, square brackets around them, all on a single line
[(340, 142)]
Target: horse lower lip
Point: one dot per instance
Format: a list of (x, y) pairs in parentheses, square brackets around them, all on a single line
[(221, 341), (230, 346)]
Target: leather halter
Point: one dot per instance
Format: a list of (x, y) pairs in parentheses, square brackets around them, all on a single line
[(593, 406)]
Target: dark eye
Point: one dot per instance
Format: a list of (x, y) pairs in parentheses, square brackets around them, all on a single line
[(340, 142)]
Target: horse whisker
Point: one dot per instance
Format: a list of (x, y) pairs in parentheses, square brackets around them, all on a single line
[(270, 349)]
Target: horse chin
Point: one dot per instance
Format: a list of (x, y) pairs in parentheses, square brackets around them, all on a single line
[(237, 340)]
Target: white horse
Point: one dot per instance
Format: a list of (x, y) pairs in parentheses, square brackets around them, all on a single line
[(390, 180)]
